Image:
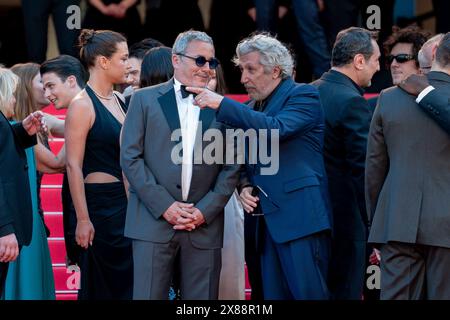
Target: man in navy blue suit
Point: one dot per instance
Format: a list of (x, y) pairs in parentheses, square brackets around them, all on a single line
[(295, 223)]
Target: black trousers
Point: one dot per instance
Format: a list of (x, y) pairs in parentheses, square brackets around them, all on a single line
[(36, 14), (253, 256)]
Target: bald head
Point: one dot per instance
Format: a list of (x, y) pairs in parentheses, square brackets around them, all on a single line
[(442, 56), (425, 55)]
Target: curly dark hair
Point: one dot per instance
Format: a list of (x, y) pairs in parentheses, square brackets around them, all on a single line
[(411, 34)]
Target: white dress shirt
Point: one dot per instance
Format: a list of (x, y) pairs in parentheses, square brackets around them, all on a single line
[(189, 115)]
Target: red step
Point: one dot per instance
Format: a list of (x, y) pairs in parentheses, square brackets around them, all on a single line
[(52, 179), (66, 296), (57, 250), (64, 279), (54, 222), (51, 199), (247, 282)]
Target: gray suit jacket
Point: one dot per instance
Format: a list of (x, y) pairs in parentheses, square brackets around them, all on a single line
[(155, 180), (408, 171)]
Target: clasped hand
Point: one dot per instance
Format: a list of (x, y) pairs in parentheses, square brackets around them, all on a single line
[(184, 216)]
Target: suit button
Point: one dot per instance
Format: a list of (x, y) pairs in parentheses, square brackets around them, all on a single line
[(25, 167), (178, 186)]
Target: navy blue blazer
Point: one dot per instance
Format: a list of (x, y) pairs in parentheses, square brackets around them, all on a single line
[(15, 197), (294, 200)]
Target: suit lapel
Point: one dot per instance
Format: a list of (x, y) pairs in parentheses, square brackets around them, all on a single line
[(169, 107), (206, 117)]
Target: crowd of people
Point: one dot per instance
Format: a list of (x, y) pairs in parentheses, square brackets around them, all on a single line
[(309, 26), (358, 181)]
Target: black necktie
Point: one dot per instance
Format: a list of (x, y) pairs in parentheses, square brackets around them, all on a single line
[(185, 93)]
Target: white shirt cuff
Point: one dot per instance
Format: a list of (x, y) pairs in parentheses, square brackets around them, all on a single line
[(424, 92)]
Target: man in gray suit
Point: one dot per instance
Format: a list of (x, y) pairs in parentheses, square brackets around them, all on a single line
[(408, 190), (175, 208)]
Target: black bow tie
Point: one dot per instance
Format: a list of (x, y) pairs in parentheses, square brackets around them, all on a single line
[(185, 93)]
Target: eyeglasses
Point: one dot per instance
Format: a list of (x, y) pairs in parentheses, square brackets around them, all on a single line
[(400, 58), (200, 61)]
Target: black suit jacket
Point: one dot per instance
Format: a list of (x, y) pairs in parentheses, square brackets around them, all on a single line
[(15, 196), (347, 121)]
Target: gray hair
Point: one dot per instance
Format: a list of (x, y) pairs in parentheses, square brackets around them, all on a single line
[(8, 85), (424, 55), (182, 41), (272, 52)]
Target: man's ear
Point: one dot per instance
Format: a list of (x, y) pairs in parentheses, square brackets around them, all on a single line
[(359, 61), (276, 72), (175, 60), (72, 81), (433, 52)]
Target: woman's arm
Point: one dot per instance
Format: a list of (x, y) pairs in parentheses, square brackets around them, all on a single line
[(79, 120), (47, 161)]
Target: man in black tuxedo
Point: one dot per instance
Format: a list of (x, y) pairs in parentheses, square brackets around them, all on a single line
[(15, 197), (347, 118)]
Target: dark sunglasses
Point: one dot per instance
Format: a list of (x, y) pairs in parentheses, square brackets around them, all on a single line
[(200, 61), (400, 58)]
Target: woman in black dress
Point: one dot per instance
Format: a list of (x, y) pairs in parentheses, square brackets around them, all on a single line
[(93, 124), (118, 15)]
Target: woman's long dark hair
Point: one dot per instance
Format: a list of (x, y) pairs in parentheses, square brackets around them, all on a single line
[(156, 67)]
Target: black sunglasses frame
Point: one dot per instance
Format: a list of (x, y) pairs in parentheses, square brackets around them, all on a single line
[(400, 58), (200, 61)]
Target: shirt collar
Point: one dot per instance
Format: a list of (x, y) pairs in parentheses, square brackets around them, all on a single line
[(176, 85)]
